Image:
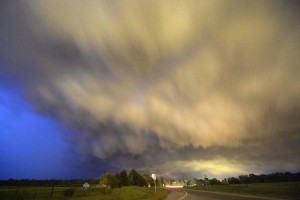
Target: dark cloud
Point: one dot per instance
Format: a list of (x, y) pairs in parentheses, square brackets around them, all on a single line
[(210, 87)]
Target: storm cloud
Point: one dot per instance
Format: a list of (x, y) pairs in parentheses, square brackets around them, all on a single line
[(165, 86)]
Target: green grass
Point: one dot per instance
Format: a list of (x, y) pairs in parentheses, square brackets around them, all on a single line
[(280, 190), (65, 193)]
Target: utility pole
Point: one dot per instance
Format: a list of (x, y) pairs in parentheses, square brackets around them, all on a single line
[(206, 180), (154, 179)]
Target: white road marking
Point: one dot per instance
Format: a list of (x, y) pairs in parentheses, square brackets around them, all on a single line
[(240, 195), (183, 196)]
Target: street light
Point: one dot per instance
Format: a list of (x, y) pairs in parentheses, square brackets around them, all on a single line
[(154, 178)]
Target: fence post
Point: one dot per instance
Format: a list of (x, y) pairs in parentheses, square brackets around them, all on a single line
[(37, 187), (16, 193), (51, 191)]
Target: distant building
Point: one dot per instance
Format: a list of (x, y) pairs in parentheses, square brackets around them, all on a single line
[(86, 186)]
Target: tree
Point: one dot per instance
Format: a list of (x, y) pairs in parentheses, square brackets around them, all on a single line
[(124, 178), (136, 179), (187, 182), (148, 180), (162, 181), (118, 176), (233, 180), (244, 179), (214, 181), (224, 181), (133, 177), (109, 180)]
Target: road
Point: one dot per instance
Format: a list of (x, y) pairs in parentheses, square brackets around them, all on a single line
[(187, 194)]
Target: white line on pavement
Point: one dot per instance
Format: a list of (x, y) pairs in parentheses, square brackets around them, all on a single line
[(183, 196), (240, 195)]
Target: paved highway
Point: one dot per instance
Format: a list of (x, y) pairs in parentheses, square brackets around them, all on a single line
[(187, 194)]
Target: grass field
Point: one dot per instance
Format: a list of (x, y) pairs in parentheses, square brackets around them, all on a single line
[(43, 193), (280, 190)]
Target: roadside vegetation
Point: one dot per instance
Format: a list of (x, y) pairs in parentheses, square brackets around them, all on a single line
[(119, 186), (281, 185), (77, 193), (288, 190)]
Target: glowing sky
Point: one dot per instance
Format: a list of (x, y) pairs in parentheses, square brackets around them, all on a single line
[(194, 87)]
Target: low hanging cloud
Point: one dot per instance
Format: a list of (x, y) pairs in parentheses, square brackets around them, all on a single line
[(210, 86)]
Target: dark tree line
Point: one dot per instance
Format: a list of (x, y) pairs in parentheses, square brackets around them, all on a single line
[(252, 178), (265, 178), (133, 179), (207, 181), (46, 183), (114, 180)]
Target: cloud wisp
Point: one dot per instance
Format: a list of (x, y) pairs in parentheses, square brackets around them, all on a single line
[(209, 86)]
